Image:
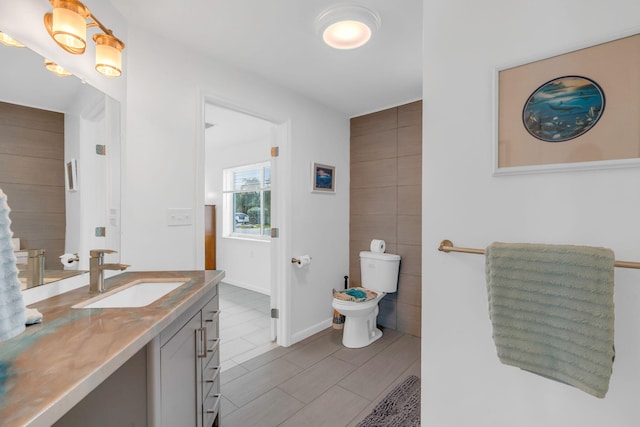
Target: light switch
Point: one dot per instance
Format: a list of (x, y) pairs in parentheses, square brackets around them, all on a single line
[(177, 217), (113, 217)]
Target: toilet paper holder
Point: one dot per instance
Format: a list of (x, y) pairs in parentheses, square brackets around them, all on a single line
[(296, 260)]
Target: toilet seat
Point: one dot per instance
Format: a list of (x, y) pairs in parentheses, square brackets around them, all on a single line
[(352, 305)]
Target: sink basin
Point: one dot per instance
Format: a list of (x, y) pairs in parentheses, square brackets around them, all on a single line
[(139, 293)]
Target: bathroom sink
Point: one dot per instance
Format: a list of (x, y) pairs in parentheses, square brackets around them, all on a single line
[(139, 293)]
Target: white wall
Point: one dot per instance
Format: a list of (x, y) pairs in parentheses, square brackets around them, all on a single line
[(247, 263), (163, 155), (464, 384)]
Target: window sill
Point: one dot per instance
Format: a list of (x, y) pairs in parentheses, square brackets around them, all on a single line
[(249, 238)]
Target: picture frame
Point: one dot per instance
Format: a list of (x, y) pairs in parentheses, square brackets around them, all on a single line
[(323, 178), (71, 175), (575, 110)]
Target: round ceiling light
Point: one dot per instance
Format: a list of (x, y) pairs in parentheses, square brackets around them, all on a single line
[(347, 26)]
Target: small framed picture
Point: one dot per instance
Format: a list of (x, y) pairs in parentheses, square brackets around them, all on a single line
[(323, 178), (71, 174)]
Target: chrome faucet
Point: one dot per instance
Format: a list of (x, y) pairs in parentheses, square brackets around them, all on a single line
[(97, 267)]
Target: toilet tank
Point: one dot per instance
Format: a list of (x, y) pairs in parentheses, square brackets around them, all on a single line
[(379, 271)]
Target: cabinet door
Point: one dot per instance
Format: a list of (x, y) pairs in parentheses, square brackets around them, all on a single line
[(178, 382)]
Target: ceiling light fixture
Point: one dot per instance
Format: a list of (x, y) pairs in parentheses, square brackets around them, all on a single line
[(68, 24), (347, 26), (7, 40), (55, 68)]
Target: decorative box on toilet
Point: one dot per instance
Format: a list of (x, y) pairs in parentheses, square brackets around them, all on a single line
[(379, 273)]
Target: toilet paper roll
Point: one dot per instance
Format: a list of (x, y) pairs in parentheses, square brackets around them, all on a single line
[(378, 246), (303, 260), (69, 261)]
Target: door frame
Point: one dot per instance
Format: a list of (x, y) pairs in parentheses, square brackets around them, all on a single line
[(280, 206)]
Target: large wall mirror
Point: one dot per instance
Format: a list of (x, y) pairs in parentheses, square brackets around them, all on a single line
[(59, 165)]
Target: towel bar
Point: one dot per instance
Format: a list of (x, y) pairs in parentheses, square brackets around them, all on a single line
[(447, 246)]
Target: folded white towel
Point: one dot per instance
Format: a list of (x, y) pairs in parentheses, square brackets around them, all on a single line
[(31, 316)]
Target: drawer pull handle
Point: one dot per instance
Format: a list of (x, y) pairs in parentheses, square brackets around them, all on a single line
[(215, 315), (203, 341)]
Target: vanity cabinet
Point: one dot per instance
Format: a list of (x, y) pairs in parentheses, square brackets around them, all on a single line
[(184, 361)]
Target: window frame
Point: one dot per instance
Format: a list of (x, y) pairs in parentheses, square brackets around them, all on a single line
[(228, 201)]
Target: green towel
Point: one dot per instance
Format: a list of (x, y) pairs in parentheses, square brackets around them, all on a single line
[(551, 308)]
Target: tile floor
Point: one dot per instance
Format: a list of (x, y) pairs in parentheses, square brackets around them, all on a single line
[(244, 325), (316, 382)]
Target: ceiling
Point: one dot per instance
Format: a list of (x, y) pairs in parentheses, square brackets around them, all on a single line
[(277, 39), (226, 127)]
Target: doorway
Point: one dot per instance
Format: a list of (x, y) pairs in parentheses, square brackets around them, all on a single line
[(234, 139)]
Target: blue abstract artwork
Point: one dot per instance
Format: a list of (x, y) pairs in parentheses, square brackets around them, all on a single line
[(563, 109), (324, 178)]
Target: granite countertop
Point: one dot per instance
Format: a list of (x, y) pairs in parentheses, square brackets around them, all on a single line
[(52, 366)]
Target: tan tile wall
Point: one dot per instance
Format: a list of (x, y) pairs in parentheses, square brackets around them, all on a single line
[(33, 140), (386, 203)]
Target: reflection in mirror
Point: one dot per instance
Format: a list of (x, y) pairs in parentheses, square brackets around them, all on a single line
[(47, 122)]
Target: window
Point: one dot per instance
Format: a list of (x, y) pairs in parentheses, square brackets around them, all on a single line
[(247, 201)]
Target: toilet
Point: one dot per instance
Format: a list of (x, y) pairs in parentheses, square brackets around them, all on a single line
[(379, 273)]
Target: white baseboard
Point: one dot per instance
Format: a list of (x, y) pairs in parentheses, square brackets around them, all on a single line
[(247, 286), (299, 336)]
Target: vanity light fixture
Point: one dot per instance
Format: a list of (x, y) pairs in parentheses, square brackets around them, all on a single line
[(7, 40), (55, 68), (347, 26), (68, 24), (108, 55)]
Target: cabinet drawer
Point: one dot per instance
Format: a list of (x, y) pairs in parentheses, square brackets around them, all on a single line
[(210, 379), (212, 347), (210, 408), (210, 316), (213, 357)]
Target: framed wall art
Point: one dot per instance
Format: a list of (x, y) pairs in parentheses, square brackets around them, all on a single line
[(576, 110), (323, 178)]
